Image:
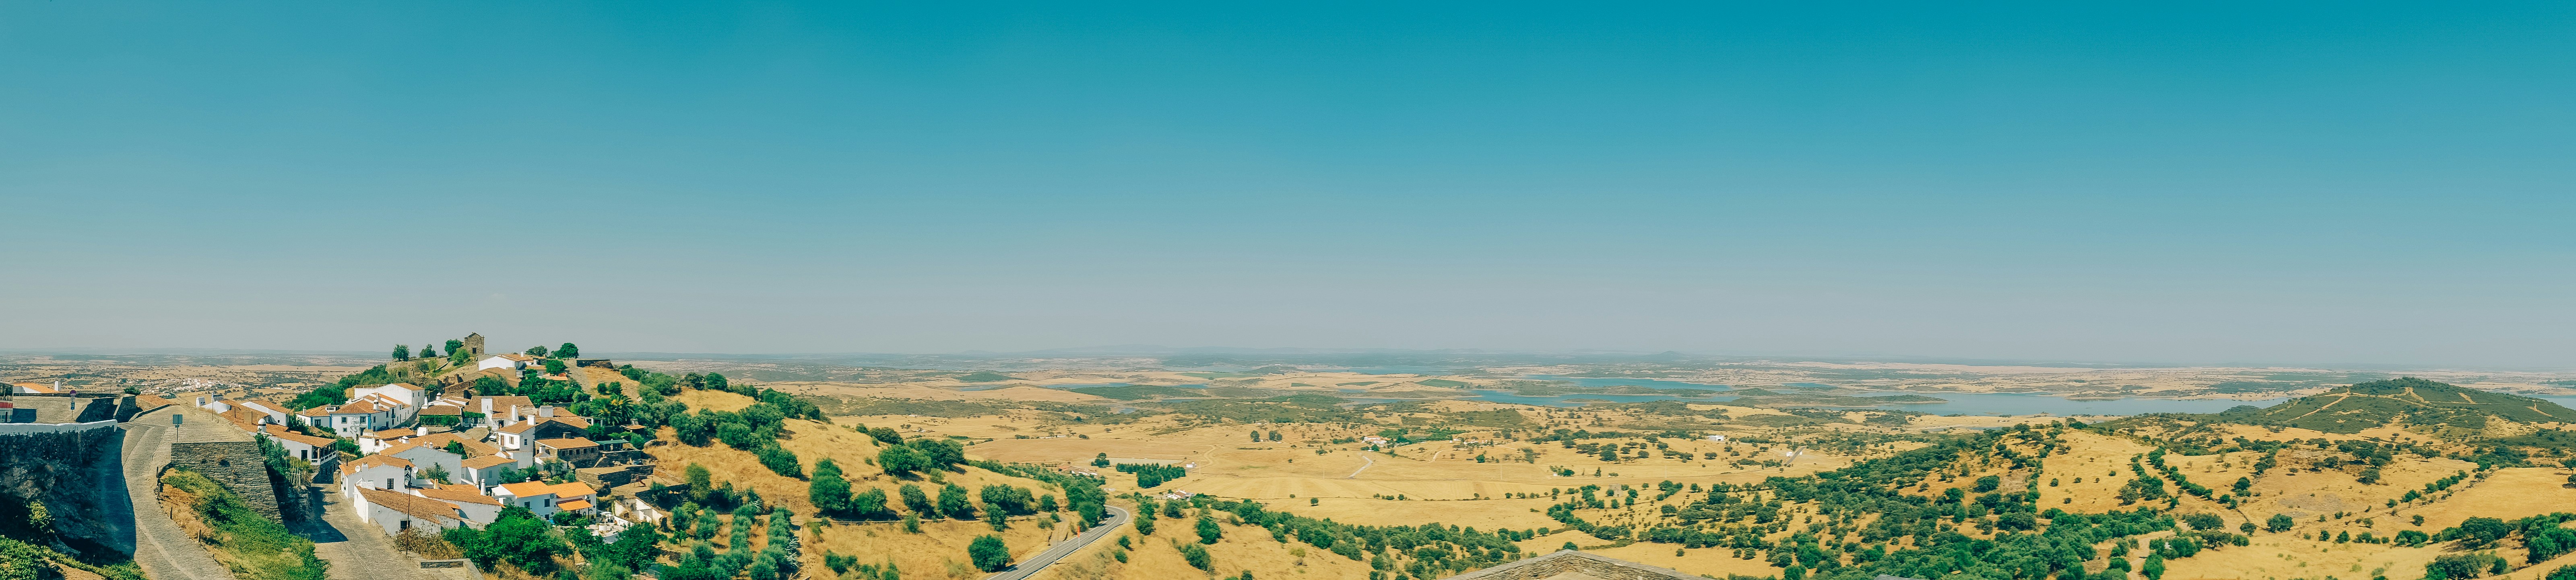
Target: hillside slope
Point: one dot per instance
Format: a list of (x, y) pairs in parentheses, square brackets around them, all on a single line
[(2416, 401)]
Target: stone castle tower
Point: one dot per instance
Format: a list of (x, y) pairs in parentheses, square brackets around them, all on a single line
[(474, 344)]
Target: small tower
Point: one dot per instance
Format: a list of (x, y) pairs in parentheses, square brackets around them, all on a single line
[(474, 344)]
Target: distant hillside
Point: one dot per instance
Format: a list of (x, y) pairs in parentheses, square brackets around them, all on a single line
[(2416, 401)]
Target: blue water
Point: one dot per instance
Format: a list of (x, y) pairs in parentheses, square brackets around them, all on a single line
[(2561, 400), (1647, 383), (1810, 385)]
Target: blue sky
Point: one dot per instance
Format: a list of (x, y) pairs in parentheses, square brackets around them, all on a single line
[(2322, 183)]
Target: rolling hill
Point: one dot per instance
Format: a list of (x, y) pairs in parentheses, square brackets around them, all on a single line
[(2413, 400)]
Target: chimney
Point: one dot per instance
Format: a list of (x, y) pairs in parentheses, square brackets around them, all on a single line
[(487, 406), (514, 415), (420, 431)]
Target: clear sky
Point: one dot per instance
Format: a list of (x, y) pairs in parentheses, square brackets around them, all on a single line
[(2155, 182)]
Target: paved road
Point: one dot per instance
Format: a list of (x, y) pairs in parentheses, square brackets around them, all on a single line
[(358, 550), (1365, 462), (164, 552), (1058, 551)]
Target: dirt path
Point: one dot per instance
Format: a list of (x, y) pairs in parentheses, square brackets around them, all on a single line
[(160, 547), (1365, 462)]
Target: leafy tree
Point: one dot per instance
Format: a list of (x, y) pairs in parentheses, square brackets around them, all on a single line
[(701, 483), (1100, 461), (459, 358), (454, 345), (1197, 557), (2279, 523), (2204, 521), (537, 351), (1989, 483), (402, 352), (692, 429), (568, 351), (428, 351), (516, 537), (1209, 532), (915, 501), (900, 460), (2478, 532), (554, 367), (1274, 435), (737, 435), (780, 461), (828, 491), (1256, 433), (994, 516), (436, 472), (952, 502), (942, 453), (716, 381), (989, 553), (870, 504)]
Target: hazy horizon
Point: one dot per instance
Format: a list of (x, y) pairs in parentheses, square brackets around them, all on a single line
[(2353, 185)]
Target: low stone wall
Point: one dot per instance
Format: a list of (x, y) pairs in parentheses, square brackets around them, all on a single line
[(36, 428), (237, 465), (207, 444)]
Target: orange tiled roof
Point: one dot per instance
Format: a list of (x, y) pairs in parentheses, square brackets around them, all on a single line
[(457, 493), (282, 433), (412, 505), (577, 504), (567, 443), (488, 461)]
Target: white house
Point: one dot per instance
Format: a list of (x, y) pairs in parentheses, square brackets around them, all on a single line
[(478, 508), (374, 471), (410, 397), (300, 446), (35, 388), (480, 470), (543, 499), (422, 457), (508, 360), (396, 512), (359, 417)]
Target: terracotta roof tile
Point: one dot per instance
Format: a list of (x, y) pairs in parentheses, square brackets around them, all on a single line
[(412, 505), (567, 443), (456, 493)]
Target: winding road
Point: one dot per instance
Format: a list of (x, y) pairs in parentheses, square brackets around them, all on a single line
[(163, 550), (1058, 551)]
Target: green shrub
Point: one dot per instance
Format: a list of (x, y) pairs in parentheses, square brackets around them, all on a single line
[(251, 545)]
